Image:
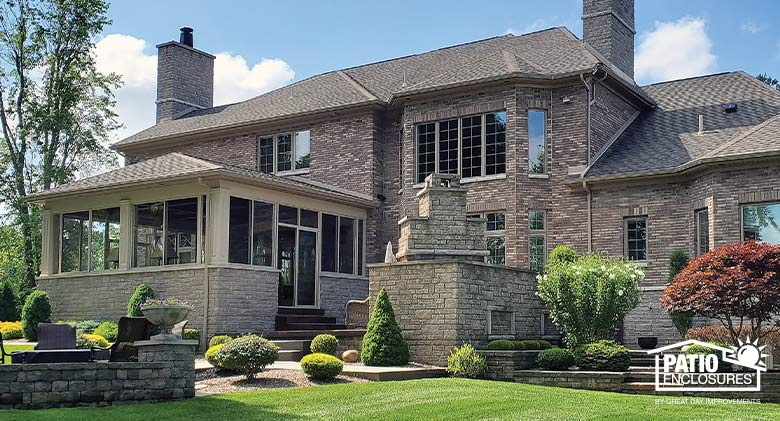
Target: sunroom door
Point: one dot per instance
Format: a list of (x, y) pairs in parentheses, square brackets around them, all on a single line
[(298, 265)]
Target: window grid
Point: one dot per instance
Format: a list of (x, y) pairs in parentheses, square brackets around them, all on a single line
[(537, 240), (495, 143), (448, 147), (471, 139), (426, 150), (495, 236), (284, 152), (702, 231), (636, 238), (266, 161)]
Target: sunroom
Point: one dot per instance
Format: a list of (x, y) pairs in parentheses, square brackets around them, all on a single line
[(238, 243)]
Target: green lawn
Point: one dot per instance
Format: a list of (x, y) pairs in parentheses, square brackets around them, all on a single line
[(418, 399), (11, 348)]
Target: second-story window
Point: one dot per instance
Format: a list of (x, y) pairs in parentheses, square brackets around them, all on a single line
[(537, 141), (635, 231), (471, 146), (284, 152)]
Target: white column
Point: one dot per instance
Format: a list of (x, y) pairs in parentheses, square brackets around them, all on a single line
[(47, 244), (218, 225), (125, 234)]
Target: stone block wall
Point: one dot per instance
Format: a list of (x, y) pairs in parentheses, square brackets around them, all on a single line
[(503, 364), (163, 372), (590, 380), (335, 291)]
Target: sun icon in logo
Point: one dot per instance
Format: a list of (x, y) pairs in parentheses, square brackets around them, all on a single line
[(750, 354)]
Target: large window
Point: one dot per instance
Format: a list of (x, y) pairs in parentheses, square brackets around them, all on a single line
[(761, 222), (284, 152), (471, 146), (537, 140), (537, 240), (495, 236), (250, 232), (166, 233), (636, 238), (90, 240), (342, 244), (702, 220)]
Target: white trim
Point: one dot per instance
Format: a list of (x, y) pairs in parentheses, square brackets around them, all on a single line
[(301, 171), (531, 175), (491, 177)]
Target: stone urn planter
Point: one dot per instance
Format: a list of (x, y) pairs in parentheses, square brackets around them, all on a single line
[(647, 342), (165, 315)]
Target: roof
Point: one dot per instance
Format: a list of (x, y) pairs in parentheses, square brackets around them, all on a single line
[(547, 54), (666, 138), (175, 166)]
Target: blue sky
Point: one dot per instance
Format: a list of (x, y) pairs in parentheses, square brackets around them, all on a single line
[(267, 44)]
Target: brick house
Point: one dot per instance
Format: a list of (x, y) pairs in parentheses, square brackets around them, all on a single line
[(280, 201)]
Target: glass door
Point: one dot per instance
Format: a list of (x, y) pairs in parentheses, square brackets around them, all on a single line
[(286, 263), (306, 290)]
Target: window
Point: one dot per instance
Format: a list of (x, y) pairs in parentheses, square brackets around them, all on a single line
[(250, 232), (284, 152), (495, 236), (361, 224), (702, 220), (537, 134), (330, 237), (761, 222), (636, 238), (471, 146), (537, 240), (346, 245), (262, 234), (342, 245), (166, 233), (238, 230), (90, 240)]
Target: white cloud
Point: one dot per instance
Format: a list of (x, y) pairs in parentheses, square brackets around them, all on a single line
[(675, 50), (753, 27), (234, 79)]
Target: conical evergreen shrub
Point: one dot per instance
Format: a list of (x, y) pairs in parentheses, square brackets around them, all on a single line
[(142, 292), (8, 311), (37, 309), (383, 344)]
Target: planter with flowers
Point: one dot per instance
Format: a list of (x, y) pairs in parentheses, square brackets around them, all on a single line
[(165, 313)]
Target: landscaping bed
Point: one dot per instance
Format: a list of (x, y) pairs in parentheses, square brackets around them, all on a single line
[(213, 381)]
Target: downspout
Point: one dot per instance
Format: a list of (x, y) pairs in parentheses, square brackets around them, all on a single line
[(206, 258), (590, 216)]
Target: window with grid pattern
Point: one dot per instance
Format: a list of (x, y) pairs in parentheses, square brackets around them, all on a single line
[(284, 152), (426, 150), (495, 143), (448, 147), (537, 240), (471, 138), (266, 159), (636, 238)]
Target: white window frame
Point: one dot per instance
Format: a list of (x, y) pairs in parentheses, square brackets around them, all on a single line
[(274, 154), (355, 249), (133, 232), (492, 233), (537, 233), (647, 236), (697, 229)]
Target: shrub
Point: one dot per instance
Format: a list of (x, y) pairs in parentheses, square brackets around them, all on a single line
[(713, 334), (561, 255), (89, 340), (682, 320), (604, 355), (466, 362), (501, 345), (248, 354), (211, 355), (531, 345), (555, 359), (86, 326), (321, 366), (723, 366), (587, 297), (108, 330), (219, 339), (383, 344), (11, 330), (324, 344), (37, 309), (191, 335), (7, 303), (141, 293), (730, 284)]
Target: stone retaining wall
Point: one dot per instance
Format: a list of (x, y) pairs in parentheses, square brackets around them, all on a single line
[(590, 380), (163, 372), (503, 364)]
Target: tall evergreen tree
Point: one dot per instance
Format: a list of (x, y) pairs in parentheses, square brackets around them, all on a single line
[(383, 343)]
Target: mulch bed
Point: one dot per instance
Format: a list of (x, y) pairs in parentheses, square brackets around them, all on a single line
[(213, 381)]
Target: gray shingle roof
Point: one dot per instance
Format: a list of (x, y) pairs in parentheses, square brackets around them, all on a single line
[(545, 54), (176, 165), (667, 137)]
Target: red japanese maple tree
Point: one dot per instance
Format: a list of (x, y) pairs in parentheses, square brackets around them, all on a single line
[(736, 285)]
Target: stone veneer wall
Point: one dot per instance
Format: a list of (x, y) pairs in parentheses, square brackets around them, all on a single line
[(501, 365), (335, 291), (590, 380), (442, 304), (163, 372)]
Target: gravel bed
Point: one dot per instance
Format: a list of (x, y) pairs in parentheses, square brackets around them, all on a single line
[(213, 381)]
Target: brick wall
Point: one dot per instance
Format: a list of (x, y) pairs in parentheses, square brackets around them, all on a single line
[(184, 74)]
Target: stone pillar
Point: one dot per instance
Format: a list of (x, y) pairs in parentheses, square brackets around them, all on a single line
[(178, 357)]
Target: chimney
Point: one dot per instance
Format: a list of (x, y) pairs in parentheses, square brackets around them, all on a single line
[(185, 77), (608, 26)]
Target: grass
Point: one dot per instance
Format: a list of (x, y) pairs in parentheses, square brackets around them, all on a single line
[(418, 399), (11, 348)]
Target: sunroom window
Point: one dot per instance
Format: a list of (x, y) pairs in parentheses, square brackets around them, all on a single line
[(342, 245), (761, 222), (250, 232), (284, 152), (166, 233), (90, 240)]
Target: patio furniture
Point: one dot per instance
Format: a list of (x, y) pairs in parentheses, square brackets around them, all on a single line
[(56, 336), (56, 344), (131, 329), (357, 313), (3, 354)]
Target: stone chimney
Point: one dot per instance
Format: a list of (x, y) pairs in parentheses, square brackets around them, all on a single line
[(608, 26), (185, 77), (442, 231)]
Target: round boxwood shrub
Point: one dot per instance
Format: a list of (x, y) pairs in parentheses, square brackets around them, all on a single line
[(90, 340), (555, 359), (11, 330), (501, 345), (466, 362), (383, 344), (604, 355), (248, 354), (191, 335), (108, 330), (211, 355), (141, 293), (219, 339), (324, 344), (37, 309), (321, 366), (561, 255)]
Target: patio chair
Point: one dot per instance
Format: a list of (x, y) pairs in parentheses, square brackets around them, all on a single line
[(56, 336), (56, 344), (357, 313), (3, 354), (131, 329)]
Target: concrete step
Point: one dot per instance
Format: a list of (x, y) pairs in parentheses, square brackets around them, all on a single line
[(291, 355), (305, 318), (313, 326), (308, 334), (641, 368), (292, 344), (300, 310)]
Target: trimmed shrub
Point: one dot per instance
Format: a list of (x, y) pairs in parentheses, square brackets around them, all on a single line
[(324, 344), (466, 362), (248, 354), (141, 293), (555, 359), (531, 345), (383, 344), (11, 330), (108, 330), (89, 340), (723, 366), (604, 355), (321, 366), (501, 345), (561, 255), (37, 309), (8, 303), (219, 339), (211, 355), (191, 335)]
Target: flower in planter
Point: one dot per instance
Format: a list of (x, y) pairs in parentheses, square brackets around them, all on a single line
[(166, 301)]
